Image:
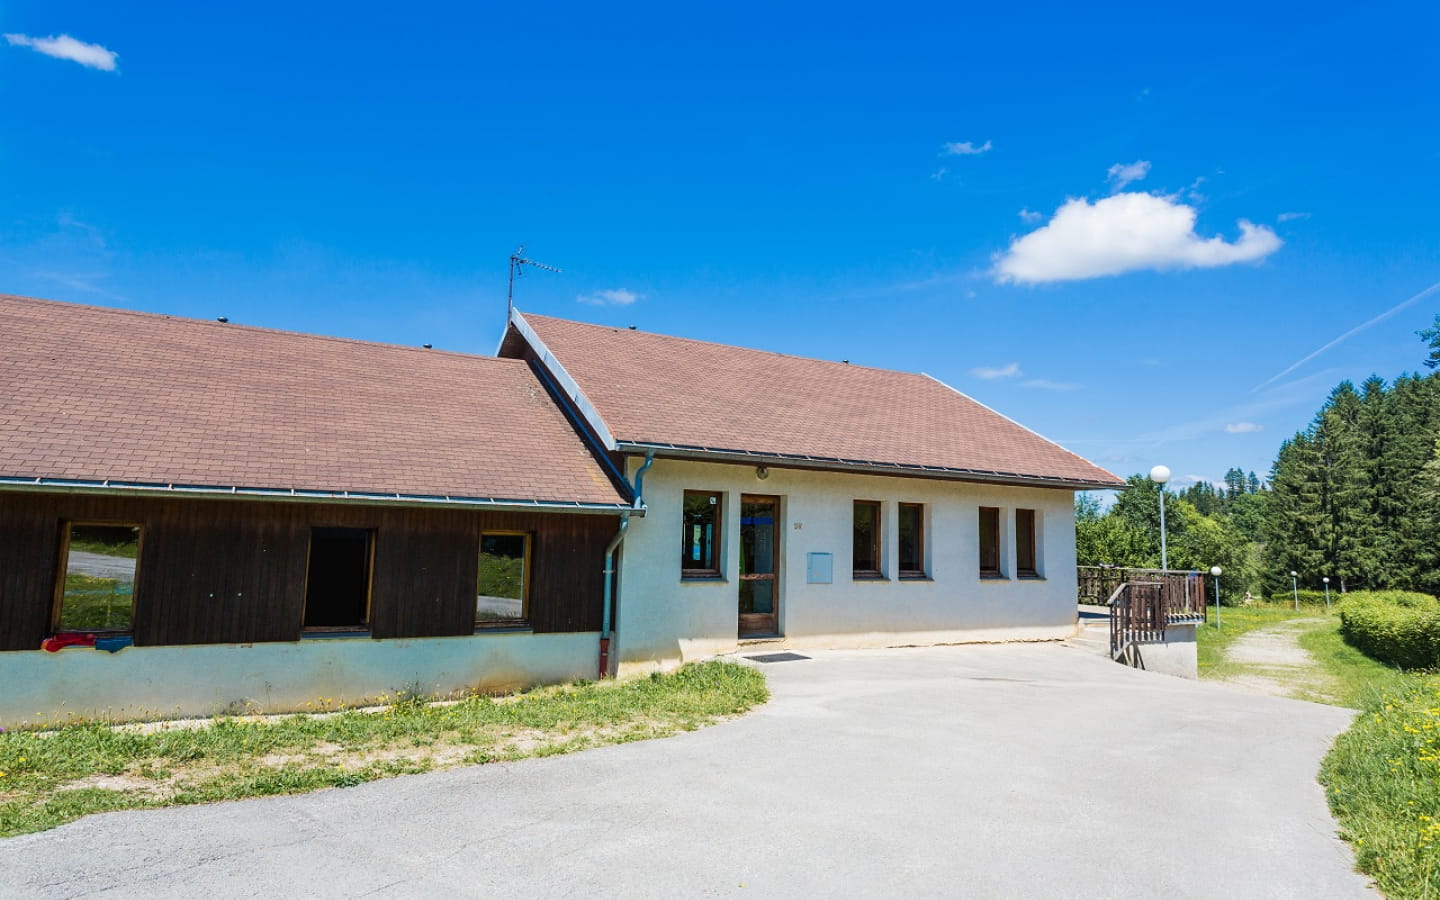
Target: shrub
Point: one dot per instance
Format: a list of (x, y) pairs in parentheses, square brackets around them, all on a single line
[(1396, 627), (1307, 597)]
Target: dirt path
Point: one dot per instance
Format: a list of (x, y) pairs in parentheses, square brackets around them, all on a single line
[(1271, 661)]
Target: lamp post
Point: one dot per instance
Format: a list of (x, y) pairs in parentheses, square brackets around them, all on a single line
[(1295, 588), (1326, 579), (1215, 571), (1160, 475)]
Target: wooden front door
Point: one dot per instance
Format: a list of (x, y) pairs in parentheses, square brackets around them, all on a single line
[(759, 566)]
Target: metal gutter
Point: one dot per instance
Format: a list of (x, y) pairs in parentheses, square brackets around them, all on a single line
[(113, 487), (868, 467), (615, 542)]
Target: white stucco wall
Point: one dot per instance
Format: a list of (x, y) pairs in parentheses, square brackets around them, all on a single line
[(664, 619), (1178, 655), (166, 682)]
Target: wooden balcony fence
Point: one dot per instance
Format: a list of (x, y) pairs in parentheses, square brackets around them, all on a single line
[(1143, 602)]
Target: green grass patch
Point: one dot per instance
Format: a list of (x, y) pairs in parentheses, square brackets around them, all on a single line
[(51, 777), (1382, 779), (1357, 680)]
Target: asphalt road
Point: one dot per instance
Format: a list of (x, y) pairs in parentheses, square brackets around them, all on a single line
[(980, 771)]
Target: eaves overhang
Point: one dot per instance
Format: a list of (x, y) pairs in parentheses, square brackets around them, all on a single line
[(116, 487), (866, 467)]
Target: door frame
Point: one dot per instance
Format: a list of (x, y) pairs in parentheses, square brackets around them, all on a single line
[(761, 624)]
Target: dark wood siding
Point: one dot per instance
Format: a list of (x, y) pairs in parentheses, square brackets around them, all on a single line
[(223, 571)]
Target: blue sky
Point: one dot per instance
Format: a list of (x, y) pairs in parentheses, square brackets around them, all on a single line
[(1040, 206)]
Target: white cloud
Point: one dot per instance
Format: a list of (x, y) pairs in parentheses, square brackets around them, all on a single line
[(617, 297), (1127, 232), (938, 173), (1243, 428), (1030, 217), (1291, 216), (1122, 174), (990, 373), (66, 47), (966, 148), (1045, 384)]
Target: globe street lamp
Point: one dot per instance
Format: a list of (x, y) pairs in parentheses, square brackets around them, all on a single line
[(1295, 588), (1160, 475), (1326, 579), (1215, 571)]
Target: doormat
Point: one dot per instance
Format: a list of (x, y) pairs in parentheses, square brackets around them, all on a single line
[(776, 657)]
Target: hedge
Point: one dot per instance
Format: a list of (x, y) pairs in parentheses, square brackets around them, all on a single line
[(1396, 627), (1307, 597)]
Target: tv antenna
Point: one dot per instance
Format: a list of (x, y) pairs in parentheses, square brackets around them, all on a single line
[(517, 259)]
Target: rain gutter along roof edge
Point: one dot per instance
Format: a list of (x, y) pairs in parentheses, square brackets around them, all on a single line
[(372, 498), (867, 467)]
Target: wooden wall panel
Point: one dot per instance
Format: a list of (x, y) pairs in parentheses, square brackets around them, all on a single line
[(233, 571)]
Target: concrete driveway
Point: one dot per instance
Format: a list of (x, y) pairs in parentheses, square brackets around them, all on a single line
[(984, 771)]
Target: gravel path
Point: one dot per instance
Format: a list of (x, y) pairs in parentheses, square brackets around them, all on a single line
[(1271, 661)]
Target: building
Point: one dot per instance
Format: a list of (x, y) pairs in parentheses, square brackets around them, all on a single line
[(256, 519), (807, 503)]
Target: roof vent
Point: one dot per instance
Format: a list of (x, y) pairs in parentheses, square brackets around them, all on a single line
[(222, 319), (845, 361), (632, 327), (427, 346)]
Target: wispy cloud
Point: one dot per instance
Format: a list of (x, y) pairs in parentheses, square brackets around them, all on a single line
[(1291, 216), (1030, 217), (966, 148), (1122, 174), (1045, 384), (66, 47), (938, 173), (990, 373), (1127, 232), (1243, 428), (616, 297), (1349, 334)]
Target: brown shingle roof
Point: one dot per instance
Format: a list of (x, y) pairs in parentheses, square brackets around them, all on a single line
[(92, 393), (653, 389)]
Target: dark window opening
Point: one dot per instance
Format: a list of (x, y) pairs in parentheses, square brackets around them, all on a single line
[(337, 588), (865, 560), (912, 540), (503, 592), (97, 590), (1025, 562), (990, 542), (700, 535)]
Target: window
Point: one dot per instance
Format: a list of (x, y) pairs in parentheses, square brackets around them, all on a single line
[(990, 542), (337, 584), (700, 535), (912, 540), (866, 558), (503, 592), (1025, 556), (97, 591)]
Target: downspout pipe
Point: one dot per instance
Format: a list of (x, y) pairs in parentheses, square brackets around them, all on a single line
[(615, 542)]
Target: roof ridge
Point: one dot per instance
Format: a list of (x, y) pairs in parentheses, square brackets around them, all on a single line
[(146, 314), (690, 340)]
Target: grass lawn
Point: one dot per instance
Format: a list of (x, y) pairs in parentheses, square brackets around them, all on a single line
[(51, 777)]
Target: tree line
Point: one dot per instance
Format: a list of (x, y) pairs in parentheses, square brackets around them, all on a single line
[(1354, 496)]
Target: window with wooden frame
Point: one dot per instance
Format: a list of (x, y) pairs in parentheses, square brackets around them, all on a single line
[(700, 535), (95, 592), (911, 530), (990, 543), (1026, 557), (866, 559), (502, 595)]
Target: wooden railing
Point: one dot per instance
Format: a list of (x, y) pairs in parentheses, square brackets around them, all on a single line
[(1141, 609)]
